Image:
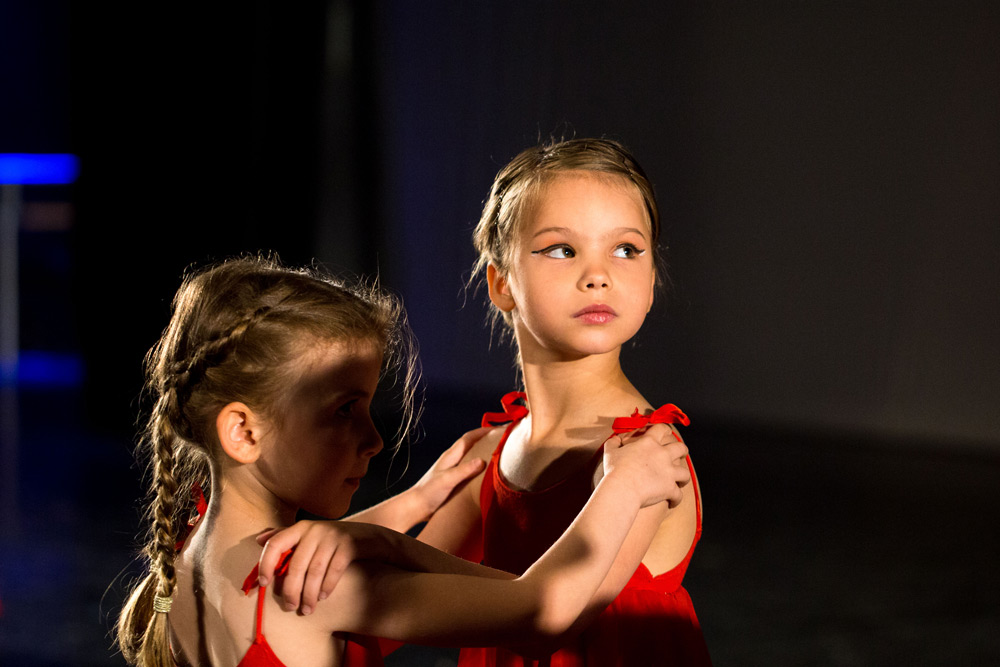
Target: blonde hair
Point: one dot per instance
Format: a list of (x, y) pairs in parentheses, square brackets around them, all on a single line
[(521, 180), (234, 332)]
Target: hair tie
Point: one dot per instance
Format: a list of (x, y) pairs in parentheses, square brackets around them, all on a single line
[(161, 605)]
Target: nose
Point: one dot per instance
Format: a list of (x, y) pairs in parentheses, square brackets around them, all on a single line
[(371, 442), (595, 276)]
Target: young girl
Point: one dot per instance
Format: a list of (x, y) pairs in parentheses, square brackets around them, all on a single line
[(263, 381), (568, 243)]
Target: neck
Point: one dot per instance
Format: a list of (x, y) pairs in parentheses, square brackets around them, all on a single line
[(564, 392), (240, 506)]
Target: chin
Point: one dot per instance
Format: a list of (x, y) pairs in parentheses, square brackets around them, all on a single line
[(328, 510)]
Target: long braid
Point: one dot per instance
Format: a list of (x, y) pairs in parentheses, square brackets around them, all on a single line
[(165, 489), (148, 643), (213, 352)]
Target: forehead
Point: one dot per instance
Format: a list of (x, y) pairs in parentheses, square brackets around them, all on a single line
[(569, 195), (337, 366)]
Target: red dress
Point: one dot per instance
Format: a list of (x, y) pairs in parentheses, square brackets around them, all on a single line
[(651, 622)]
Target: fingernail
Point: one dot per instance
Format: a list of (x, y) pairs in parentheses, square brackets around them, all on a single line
[(306, 611), (322, 595), (262, 581), (289, 606)]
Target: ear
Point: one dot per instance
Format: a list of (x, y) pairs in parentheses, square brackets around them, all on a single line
[(499, 289), (652, 292), (239, 430)]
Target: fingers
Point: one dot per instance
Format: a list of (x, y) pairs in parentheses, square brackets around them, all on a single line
[(294, 580), (461, 447), (317, 572), (277, 543), (266, 535), (467, 470), (662, 433), (322, 552), (678, 451)]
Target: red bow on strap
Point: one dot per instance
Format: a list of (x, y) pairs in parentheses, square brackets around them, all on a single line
[(668, 414), (251, 581), (200, 508), (514, 408)]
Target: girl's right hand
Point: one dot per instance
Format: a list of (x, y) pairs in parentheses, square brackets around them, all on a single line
[(322, 551), (653, 461)]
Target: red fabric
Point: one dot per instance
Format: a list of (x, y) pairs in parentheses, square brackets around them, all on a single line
[(200, 508), (515, 407), (360, 651), (651, 622), (667, 414)]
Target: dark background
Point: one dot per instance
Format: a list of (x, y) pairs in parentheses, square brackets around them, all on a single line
[(828, 175)]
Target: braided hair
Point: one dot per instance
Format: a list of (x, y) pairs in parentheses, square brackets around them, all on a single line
[(520, 181), (234, 332)]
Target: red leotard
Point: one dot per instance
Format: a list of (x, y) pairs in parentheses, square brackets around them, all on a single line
[(360, 651), (651, 622)]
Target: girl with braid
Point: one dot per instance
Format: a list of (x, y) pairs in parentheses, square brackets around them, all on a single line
[(262, 383)]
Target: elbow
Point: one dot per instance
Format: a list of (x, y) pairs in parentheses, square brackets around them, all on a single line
[(556, 612)]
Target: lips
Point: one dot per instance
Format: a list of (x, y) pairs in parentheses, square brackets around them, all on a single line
[(597, 313), (356, 480)]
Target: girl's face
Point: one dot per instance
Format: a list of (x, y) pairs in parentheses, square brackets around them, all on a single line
[(581, 277), (319, 447)]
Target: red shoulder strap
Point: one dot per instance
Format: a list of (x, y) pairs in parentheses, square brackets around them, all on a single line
[(251, 581), (668, 414)]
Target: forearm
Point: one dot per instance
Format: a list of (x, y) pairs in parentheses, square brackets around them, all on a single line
[(400, 512), (414, 555), (570, 573)]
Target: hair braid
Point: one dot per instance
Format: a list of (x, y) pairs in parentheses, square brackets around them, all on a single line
[(165, 491), (214, 352)]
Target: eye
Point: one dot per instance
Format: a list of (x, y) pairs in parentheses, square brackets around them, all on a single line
[(627, 251), (347, 408), (557, 251)]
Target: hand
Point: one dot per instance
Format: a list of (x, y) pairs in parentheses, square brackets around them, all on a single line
[(323, 550), (448, 473), (653, 461)]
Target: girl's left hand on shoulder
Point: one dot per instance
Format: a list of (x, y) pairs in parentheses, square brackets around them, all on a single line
[(662, 434), (654, 459), (448, 473)]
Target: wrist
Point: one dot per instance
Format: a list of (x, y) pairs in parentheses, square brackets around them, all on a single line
[(617, 484)]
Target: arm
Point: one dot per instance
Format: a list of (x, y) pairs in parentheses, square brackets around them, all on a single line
[(444, 480), (324, 549), (457, 526), (648, 526), (458, 609)]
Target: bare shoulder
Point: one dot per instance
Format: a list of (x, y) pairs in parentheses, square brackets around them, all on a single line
[(484, 447), (676, 531), (455, 527)]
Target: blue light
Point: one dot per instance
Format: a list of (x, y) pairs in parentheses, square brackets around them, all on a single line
[(49, 369), (38, 168)]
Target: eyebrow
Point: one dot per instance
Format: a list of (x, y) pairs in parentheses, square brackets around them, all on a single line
[(567, 230)]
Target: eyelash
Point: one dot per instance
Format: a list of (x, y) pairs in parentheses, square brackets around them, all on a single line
[(633, 251), (552, 248), (346, 409)]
